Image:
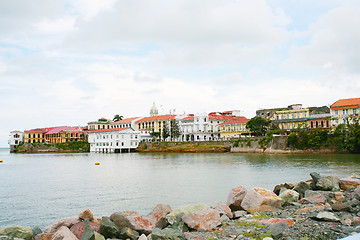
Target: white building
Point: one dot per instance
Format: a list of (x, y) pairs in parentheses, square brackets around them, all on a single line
[(116, 140), (125, 123), (15, 138)]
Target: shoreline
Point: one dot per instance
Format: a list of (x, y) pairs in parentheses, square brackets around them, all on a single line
[(324, 207)]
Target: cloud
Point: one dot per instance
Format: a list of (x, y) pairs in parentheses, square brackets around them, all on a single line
[(54, 26)]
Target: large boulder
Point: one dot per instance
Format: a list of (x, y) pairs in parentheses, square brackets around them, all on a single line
[(78, 228), (181, 211), (67, 222), (88, 232), (64, 233), (329, 183), (165, 234), (86, 214), (326, 216), (108, 228), (289, 196), (202, 220), (43, 236), (301, 187), (260, 196), (158, 215), (17, 232), (315, 199), (128, 233), (222, 208), (346, 183), (134, 221), (235, 197)]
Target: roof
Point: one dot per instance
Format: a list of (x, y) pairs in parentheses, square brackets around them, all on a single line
[(126, 120), (146, 129), (38, 130), (16, 131), (355, 102), (191, 117), (156, 118), (64, 129), (317, 116), (221, 117), (108, 130), (238, 120)]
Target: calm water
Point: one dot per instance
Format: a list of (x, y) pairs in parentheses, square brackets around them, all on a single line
[(37, 189)]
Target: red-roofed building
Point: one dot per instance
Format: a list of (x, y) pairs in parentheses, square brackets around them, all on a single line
[(234, 128), (101, 123), (53, 135), (155, 123), (342, 109), (127, 122)]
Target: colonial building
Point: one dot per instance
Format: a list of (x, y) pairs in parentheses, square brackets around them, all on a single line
[(64, 134), (234, 128), (15, 138), (342, 109), (293, 118), (35, 135), (116, 140), (155, 123), (101, 123), (322, 121), (125, 123)]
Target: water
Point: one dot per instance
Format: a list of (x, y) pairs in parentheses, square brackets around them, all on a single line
[(37, 189)]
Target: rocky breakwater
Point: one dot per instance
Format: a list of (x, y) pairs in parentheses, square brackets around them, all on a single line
[(324, 207)]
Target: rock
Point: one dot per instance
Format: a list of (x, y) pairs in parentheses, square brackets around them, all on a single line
[(17, 232), (86, 214), (78, 228), (143, 237), (178, 213), (356, 221), (202, 220), (329, 183), (289, 196), (67, 222), (235, 197), (274, 221), (326, 216), (134, 221), (301, 187), (346, 183), (260, 196), (238, 214), (346, 220), (43, 236), (96, 221), (108, 228), (222, 208), (36, 230), (128, 233), (224, 218), (309, 193), (262, 209), (317, 208), (98, 236), (340, 207), (315, 177), (166, 234), (277, 230), (88, 231), (356, 193), (315, 199), (64, 233), (158, 215), (277, 188)]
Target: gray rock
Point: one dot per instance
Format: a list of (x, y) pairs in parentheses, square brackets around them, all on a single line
[(224, 218), (315, 177), (181, 211), (166, 234), (301, 187), (88, 233), (238, 214), (329, 183), (36, 230), (326, 216), (289, 196), (128, 233), (5, 237), (120, 220), (277, 230), (108, 228), (309, 193)]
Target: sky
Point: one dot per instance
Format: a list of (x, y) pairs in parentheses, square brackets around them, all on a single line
[(69, 62)]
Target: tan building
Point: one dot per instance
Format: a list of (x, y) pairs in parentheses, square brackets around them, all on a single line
[(293, 118), (234, 128), (64, 134), (343, 109)]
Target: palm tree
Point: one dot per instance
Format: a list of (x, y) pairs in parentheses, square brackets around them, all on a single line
[(117, 117)]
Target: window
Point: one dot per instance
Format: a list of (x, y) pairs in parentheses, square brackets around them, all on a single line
[(336, 112), (355, 111)]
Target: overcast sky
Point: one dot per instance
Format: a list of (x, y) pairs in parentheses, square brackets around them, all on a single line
[(68, 62)]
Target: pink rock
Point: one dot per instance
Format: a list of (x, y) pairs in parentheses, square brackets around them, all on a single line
[(345, 183), (222, 208), (64, 233), (235, 197), (43, 236), (67, 222), (274, 221), (86, 214), (356, 221), (315, 199), (78, 228), (260, 196), (139, 223), (159, 212), (202, 220)]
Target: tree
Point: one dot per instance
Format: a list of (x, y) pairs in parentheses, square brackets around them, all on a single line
[(155, 135), (258, 126), (165, 133), (117, 117), (175, 129)]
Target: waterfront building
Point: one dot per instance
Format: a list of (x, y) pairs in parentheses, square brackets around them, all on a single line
[(116, 140), (101, 123), (343, 109), (322, 121), (155, 123), (15, 138), (36, 135), (64, 134), (125, 123), (234, 128)]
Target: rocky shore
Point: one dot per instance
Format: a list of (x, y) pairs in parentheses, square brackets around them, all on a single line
[(323, 207)]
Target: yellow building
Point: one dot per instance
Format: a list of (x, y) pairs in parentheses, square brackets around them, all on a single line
[(343, 109), (35, 135), (53, 135), (293, 118), (233, 128), (154, 123)]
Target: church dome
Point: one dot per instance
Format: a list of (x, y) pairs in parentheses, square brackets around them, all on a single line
[(154, 111)]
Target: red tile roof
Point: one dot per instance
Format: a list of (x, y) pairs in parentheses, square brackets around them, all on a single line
[(146, 129), (108, 130), (190, 117), (221, 117), (156, 118), (38, 130), (126, 120), (355, 102), (238, 120), (64, 129)]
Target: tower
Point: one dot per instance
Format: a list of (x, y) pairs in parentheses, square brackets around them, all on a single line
[(154, 111)]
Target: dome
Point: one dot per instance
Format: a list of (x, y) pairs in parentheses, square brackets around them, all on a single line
[(154, 111)]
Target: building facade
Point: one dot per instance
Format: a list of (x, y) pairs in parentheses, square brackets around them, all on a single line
[(155, 123), (64, 134), (343, 109), (125, 123), (322, 121), (101, 123), (292, 119), (234, 128)]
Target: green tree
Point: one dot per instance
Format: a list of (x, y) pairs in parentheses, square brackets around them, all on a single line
[(165, 133), (155, 135), (175, 129), (258, 126), (117, 117)]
